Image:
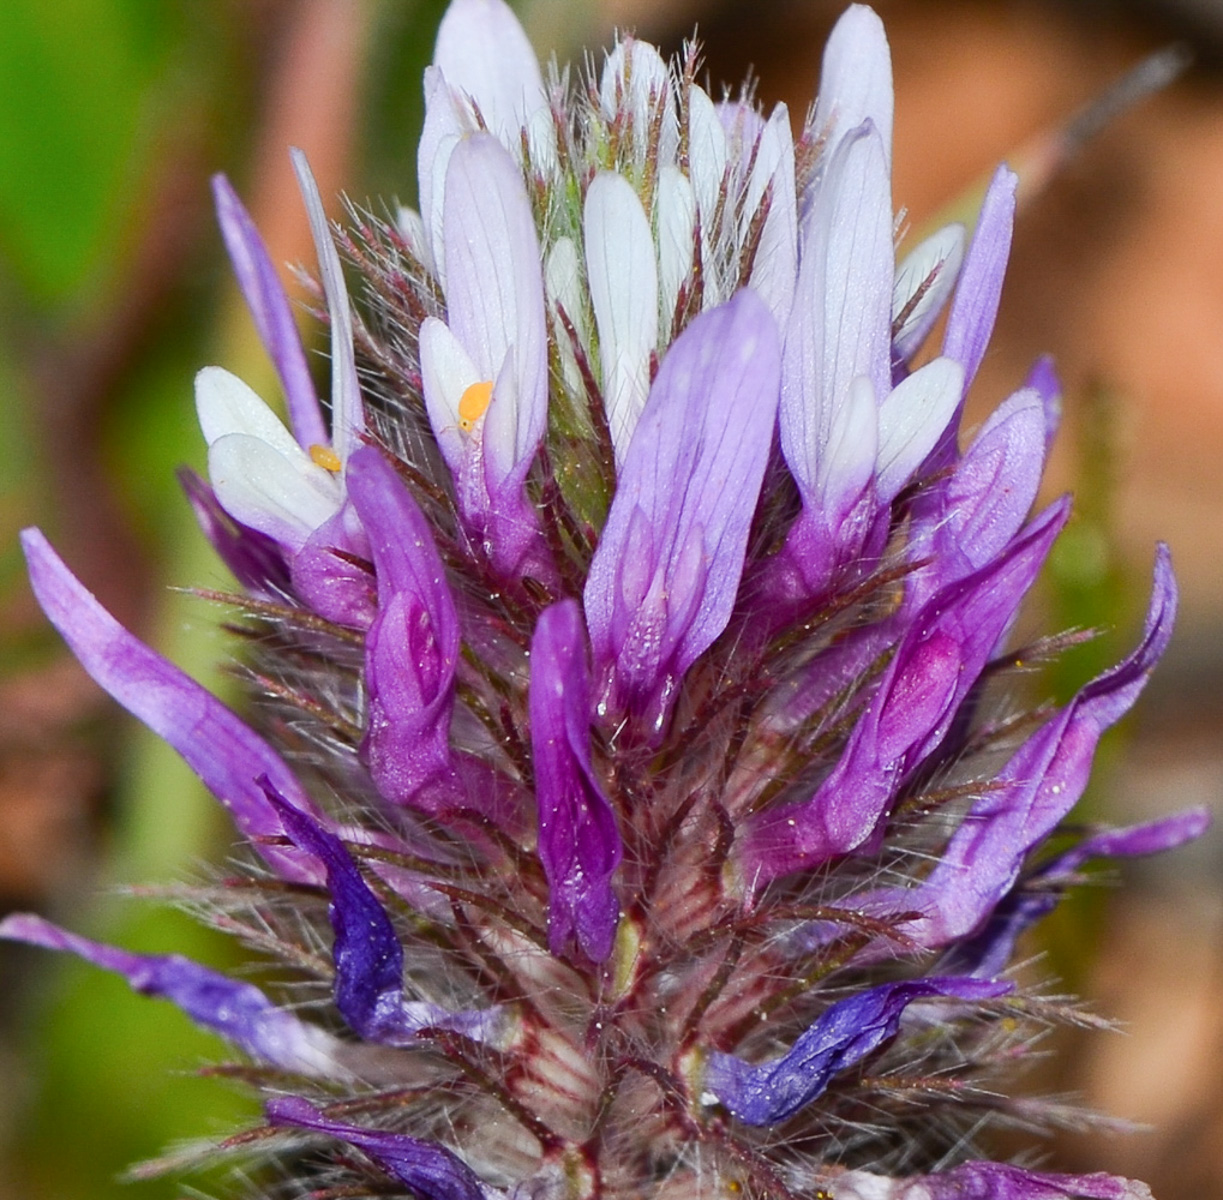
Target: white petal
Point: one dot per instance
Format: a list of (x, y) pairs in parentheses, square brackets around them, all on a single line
[(446, 373), (706, 156), (347, 412), (852, 449), (442, 130), (676, 218), (260, 487), (775, 271), (563, 283), (484, 52), (856, 80), (935, 263), (225, 405), (411, 228), (624, 294), (913, 418), (636, 80)]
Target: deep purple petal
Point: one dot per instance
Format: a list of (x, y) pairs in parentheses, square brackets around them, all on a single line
[(936, 664), (975, 307), (227, 755), (579, 843), (273, 316), (239, 1012), (989, 1181), (367, 955), (664, 577), (255, 560), (1044, 381), (412, 647), (841, 1036), (430, 1171)]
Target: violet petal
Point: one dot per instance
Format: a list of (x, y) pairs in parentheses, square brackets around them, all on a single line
[(975, 306), (841, 1036), (579, 843), (272, 313), (227, 755), (429, 1170), (239, 1012)]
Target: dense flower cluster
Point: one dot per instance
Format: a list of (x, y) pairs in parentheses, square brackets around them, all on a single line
[(636, 811)]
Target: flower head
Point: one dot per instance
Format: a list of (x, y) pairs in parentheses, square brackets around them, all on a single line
[(633, 627)]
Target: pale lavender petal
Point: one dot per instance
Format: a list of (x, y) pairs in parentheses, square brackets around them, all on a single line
[(367, 955), (228, 756), (443, 129), (1043, 379), (975, 307), (495, 300), (841, 1036), (579, 844), (347, 410), (239, 1012), (623, 277), (273, 316), (412, 647), (988, 1181), (429, 1170), (912, 419), (254, 559), (482, 50), (775, 271), (934, 668), (855, 80), (840, 323), (924, 281), (664, 577)]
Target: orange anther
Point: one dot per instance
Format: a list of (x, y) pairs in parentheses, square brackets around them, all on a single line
[(325, 457), (473, 403)]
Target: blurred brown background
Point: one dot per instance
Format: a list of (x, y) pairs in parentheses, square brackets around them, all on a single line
[(1117, 271)]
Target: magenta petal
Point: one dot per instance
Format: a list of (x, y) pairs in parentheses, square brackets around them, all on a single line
[(367, 955), (255, 560), (272, 313), (331, 583), (430, 1171), (664, 577), (934, 668), (239, 1012), (841, 1036), (412, 647), (975, 307), (579, 843), (228, 756)]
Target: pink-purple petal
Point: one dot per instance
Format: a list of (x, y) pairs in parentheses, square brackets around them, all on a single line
[(579, 844)]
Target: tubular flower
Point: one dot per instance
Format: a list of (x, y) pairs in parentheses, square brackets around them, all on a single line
[(627, 801)]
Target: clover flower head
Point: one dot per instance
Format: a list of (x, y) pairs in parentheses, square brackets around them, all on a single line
[(628, 800)]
